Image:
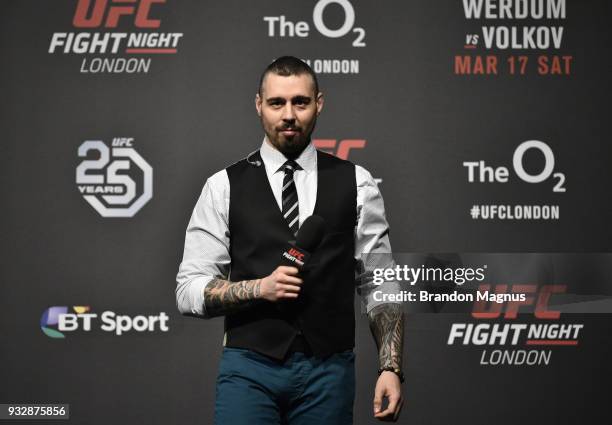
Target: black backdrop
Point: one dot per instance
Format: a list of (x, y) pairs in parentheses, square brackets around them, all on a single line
[(192, 113)]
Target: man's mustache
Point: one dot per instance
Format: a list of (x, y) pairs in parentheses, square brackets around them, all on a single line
[(288, 128)]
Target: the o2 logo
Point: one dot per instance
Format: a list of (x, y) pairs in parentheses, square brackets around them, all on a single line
[(119, 182), (280, 26), (479, 171)]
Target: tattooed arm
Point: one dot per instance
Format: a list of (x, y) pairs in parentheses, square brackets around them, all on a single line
[(372, 251), (224, 297), (387, 325)]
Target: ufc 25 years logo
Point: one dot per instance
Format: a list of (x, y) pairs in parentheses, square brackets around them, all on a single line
[(107, 182)]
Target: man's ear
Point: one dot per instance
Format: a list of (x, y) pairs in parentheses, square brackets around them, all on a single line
[(320, 102), (258, 103)]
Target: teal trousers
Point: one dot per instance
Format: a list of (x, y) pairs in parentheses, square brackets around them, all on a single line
[(253, 389)]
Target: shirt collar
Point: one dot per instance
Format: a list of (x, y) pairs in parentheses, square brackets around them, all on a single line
[(273, 159)]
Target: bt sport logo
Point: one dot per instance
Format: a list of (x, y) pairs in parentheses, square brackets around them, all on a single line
[(57, 321)]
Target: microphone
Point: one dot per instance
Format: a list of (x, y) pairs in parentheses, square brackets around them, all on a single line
[(256, 163), (308, 239)]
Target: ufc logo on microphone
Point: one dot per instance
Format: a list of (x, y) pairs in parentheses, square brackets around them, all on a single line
[(343, 148), (297, 254), (113, 12)]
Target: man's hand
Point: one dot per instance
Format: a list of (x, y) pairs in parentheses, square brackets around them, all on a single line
[(388, 385), (282, 283)]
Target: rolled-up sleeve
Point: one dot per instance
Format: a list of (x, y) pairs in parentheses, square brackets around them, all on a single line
[(372, 245), (206, 254)]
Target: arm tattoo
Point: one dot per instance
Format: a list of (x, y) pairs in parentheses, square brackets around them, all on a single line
[(223, 297), (387, 326)]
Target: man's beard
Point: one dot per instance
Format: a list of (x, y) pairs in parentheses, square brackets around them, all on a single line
[(291, 147)]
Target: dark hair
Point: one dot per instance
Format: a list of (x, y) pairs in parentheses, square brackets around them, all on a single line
[(286, 66)]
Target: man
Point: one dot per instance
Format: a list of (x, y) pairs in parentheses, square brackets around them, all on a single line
[(289, 335)]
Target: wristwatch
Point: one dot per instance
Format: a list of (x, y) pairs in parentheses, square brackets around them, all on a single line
[(397, 371)]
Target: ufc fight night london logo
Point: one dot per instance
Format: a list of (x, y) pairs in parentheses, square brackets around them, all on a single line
[(116, 36), (116, 181)]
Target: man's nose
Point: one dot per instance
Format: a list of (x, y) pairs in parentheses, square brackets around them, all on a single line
[(288, 114)]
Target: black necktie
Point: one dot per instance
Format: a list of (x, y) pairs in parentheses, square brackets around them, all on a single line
[(291, 210)]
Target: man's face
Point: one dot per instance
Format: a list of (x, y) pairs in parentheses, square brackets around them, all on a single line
[(288, 107)]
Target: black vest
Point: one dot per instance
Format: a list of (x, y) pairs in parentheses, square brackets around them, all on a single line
[(324, 310)]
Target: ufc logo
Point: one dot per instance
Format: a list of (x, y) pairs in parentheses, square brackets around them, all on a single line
[(481, 311), (343, 148), (113, 12), (297, 254)]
